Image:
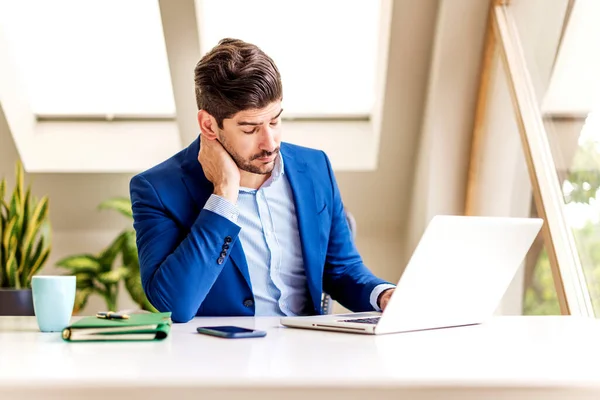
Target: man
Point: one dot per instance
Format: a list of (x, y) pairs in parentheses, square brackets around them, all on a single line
[(240, 223)]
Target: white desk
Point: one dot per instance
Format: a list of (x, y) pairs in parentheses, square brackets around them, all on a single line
[(510, 357)]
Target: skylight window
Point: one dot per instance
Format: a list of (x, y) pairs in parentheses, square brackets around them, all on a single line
[(326, 51), (90, 58)]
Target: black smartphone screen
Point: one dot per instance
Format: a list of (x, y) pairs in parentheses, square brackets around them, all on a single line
[(228, 329)]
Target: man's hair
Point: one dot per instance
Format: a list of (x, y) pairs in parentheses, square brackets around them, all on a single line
[(235, 76)]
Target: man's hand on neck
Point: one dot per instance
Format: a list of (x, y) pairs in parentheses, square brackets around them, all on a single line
[(220, 169)]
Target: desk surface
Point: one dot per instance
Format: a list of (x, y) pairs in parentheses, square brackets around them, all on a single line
[(529, 355)]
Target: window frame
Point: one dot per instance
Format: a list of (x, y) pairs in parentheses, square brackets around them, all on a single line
[(567, 271)]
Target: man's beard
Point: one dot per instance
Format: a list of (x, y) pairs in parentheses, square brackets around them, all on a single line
[(246, 165)]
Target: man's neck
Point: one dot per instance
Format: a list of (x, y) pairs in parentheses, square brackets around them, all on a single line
[(252, 181)]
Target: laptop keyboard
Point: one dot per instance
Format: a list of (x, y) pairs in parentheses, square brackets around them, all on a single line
[(373, 320)]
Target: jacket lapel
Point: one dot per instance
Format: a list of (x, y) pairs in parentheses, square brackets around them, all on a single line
[(306, 210), (200, 189)]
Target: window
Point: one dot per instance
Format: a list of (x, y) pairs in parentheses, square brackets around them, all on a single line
[(326, 51), (551, 52), (574, 88), (90, 58), (569, 108), (83, 74)]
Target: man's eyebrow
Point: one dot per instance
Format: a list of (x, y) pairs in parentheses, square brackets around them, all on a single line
[(243, 123)]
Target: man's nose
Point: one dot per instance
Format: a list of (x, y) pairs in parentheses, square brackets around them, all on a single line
[(268, 140)]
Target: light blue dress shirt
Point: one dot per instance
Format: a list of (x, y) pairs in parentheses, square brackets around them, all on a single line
[(271, 241)]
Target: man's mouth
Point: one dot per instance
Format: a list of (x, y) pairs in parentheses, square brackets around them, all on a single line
[(266, 157)]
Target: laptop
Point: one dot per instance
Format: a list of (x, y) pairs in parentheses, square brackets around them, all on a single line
[(456, 276)]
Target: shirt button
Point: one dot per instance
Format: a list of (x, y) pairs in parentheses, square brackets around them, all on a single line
[(220, 260), (248, 303)]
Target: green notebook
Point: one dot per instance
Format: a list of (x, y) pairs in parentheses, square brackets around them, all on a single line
[(151, 326)]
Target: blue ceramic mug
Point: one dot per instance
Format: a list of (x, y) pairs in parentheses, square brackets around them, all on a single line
[(53, 301)]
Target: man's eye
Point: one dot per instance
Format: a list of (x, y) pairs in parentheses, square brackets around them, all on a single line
[(275, 123), (249, 132)]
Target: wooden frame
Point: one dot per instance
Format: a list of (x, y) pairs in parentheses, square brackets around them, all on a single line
[(569, 279), (489, 52)]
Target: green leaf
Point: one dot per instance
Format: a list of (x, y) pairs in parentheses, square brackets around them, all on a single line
[(21, 221), (130, 252), (3, 223), (38, 219), (8, 232), (80, 263), (114, 276), (133, 284), (38, 264), (11, 271), (38, 251), (108, 256), (30, 261), (24, 247), (26, 209), (81, 298), (2, 193), (120, 204), (2, 189), (84, 280), (14, 205), (20, 181), (35, 225)]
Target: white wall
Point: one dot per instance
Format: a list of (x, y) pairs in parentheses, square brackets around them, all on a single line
[(445, 142), (380, 200)]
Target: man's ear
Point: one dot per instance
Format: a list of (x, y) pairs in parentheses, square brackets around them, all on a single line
[(208, 125)]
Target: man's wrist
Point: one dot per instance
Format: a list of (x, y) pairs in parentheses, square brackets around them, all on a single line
[(227, 192), (223, 207)]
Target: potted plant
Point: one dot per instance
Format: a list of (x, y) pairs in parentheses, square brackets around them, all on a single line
[(24, 245), (102, 273)]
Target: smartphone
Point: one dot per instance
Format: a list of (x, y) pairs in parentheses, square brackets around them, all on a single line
[(230, 332)]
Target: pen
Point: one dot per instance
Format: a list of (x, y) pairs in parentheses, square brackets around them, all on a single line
[(111, 315)]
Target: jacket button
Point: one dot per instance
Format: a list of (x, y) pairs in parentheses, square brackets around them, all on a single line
[(223, 253), (225, 246), (248, 303), (220, 260), (228, 239)]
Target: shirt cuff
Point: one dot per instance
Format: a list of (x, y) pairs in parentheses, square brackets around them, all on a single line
[(376, 292), (223, 207)]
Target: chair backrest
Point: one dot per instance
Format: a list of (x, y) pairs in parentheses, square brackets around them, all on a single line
[(326, 300)]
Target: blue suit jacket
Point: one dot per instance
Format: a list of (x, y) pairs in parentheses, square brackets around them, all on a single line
[(179, 243)]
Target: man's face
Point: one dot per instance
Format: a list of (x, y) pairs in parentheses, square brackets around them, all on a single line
[(252, 138)]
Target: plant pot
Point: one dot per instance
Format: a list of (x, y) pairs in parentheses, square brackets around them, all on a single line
[(16, 302)]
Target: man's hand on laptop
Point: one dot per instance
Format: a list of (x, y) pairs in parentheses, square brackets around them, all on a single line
[(384, 298)]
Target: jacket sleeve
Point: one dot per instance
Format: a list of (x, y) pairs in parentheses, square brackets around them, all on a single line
[(346, 278), (177, 268)]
